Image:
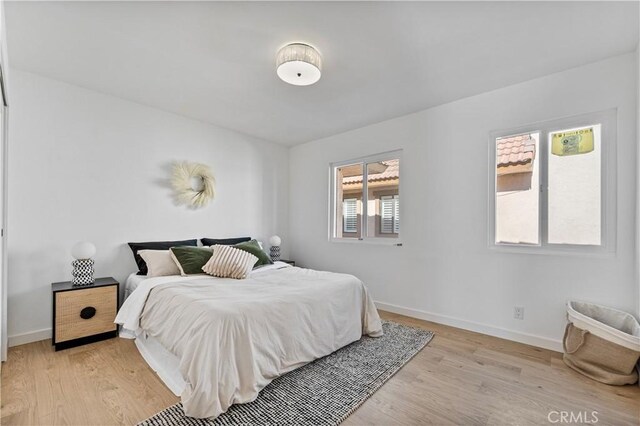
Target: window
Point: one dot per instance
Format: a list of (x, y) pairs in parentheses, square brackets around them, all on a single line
[(365, 198), (549, 189)]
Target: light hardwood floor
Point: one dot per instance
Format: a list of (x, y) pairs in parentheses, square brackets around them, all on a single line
[(461, 377)]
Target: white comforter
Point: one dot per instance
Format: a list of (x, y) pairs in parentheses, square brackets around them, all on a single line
[(233, 337)]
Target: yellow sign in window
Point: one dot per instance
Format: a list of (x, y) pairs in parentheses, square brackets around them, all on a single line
[(573, 142)]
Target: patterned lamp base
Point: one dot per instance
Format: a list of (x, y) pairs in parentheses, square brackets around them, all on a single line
[(274, 252), (82, 272)]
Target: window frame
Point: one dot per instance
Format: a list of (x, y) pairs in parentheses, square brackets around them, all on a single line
[(364, 160), (608, 184)]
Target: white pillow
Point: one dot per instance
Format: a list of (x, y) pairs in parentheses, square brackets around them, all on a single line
[(159, 263), (229, 262)]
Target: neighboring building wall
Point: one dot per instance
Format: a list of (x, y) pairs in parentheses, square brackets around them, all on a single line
[(575, 196), (517, 200)]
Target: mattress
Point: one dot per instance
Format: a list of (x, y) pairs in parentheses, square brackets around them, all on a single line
[(133, 281), (163, 362)]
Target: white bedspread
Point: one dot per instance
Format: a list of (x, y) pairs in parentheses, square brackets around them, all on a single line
[(233, 337)]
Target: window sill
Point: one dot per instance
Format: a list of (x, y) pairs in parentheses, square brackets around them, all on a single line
[(576, 251), (372, 241)]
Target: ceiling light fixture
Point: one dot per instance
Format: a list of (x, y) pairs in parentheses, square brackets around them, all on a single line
[(299, 64)]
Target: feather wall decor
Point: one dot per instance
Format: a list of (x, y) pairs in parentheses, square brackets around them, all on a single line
[(193, 184)]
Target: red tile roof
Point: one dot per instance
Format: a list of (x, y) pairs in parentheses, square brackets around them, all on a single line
[(515, 150), (391, 171)]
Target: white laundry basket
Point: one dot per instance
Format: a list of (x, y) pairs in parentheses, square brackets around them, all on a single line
[(602, 343)]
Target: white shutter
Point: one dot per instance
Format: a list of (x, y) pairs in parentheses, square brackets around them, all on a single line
[(389, 214), (350, 215), (386, 214), (396, 215)]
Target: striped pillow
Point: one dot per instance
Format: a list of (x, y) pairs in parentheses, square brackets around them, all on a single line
[(229, 262)]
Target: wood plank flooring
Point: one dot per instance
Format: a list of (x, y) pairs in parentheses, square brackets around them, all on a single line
[(461, 378)]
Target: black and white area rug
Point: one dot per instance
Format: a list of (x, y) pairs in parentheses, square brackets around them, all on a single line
[(323, 392)]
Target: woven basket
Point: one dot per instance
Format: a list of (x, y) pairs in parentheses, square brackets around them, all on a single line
[(602, 343)]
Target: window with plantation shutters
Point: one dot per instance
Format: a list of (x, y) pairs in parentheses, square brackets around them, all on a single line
[(365, 199), (350, 215)]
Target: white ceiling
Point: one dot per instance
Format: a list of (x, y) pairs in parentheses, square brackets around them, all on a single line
[(215, 61)]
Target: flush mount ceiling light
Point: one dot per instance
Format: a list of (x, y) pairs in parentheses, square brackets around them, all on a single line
[(299, 64)]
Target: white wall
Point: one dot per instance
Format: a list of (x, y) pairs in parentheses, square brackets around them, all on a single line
[(4, 63), (638, 184), (86, 166), (445, 270)]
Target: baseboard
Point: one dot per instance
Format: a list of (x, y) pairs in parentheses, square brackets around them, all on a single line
[(516, 336), (32, 336)]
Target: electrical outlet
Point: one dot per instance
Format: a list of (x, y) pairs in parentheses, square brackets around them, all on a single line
[(518, 312)]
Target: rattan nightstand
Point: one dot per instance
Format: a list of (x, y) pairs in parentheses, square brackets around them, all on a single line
[(84, 314)]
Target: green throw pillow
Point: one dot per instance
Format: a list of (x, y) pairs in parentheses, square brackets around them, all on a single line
[(254, 248), (190, 260)]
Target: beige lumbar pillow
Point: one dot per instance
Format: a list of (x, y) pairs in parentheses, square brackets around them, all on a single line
[(159, 263), (229, 262)]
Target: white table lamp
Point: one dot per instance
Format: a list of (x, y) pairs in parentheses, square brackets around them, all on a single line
[(274, 251)]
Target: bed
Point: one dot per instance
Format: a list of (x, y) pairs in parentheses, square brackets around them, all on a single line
[(217, 342), (132, 282)]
